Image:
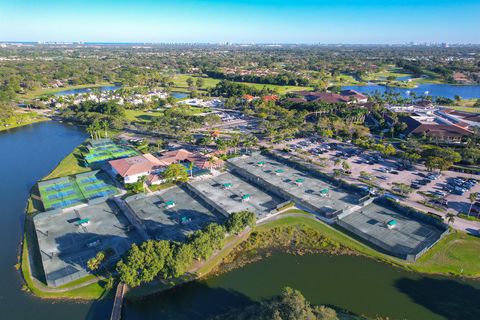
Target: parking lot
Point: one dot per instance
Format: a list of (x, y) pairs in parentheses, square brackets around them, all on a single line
[(231, 194), (172, 214), (67, 240), (387, 173)]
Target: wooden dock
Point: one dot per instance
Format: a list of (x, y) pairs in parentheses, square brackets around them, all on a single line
[(118, 302)]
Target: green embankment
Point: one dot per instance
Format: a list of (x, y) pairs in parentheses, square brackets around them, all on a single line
[(456, 254), (20, 119), (70, 165)]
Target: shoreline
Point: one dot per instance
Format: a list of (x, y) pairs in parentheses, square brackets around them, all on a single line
[(6, 129)]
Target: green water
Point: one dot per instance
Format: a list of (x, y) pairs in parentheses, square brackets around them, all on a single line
[(358, 284)]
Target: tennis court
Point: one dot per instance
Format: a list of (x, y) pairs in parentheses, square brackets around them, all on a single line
[(106, 151), (172, 214), (390, 229), (74, 190), (317, 195), (228, 193), (95, 184), (68, 239)]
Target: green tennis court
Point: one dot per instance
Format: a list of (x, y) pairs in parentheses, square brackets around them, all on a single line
[(106, 151), (74, 190)]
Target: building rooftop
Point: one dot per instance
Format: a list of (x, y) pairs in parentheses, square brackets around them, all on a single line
[(136, 165)]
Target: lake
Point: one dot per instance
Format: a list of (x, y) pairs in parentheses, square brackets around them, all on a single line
[(436, 90), (361, 285), (85, 90), (27, 154), (358, 284)]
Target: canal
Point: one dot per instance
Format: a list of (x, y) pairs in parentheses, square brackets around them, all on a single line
[(354, 283)]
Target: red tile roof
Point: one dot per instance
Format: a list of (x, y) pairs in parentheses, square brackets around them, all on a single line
[(175, 156), (136, 165), (270, 98)]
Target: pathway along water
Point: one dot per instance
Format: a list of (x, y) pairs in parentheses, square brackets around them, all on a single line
[(358, 284)]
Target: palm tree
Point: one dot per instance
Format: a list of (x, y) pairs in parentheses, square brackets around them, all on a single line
[(190, 168), (91, 131), (235, 141), (472, 197), (104, 124), (450, 217), (142, 181)]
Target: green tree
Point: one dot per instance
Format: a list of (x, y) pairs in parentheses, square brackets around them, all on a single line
[(457, 99), (189, 82), (472, 197), (437, 163), (403, 188), (95, 262), (450, 217), (182, 259), (200, 83), (238, 221), (175, 173), (105, 126)]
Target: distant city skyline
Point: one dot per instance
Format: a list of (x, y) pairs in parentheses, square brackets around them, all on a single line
[(243, 21)]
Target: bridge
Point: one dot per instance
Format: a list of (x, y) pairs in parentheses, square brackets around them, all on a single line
[(117, 303)]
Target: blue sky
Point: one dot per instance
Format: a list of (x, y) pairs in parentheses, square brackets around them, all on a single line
[(280, 21)]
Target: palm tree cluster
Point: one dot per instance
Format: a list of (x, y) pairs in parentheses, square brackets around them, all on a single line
[(96, 129)]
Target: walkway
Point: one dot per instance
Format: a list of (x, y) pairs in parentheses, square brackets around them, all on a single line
[(118, 302)]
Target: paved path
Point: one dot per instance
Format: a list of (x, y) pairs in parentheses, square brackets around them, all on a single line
[(118, 302)]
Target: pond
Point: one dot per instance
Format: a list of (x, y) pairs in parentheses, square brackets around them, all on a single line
[(179, 95), (436, 90), (86, 90), (358, 284)]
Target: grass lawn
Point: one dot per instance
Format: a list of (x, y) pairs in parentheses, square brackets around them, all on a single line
[(456, 252), (387, 72), (69, 165), (19, 119), (466, 109), (346, 80), (180, 83), (47, 91), (147, 116), (141, 115)]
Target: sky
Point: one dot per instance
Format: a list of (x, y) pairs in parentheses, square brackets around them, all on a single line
[(241, 21)]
